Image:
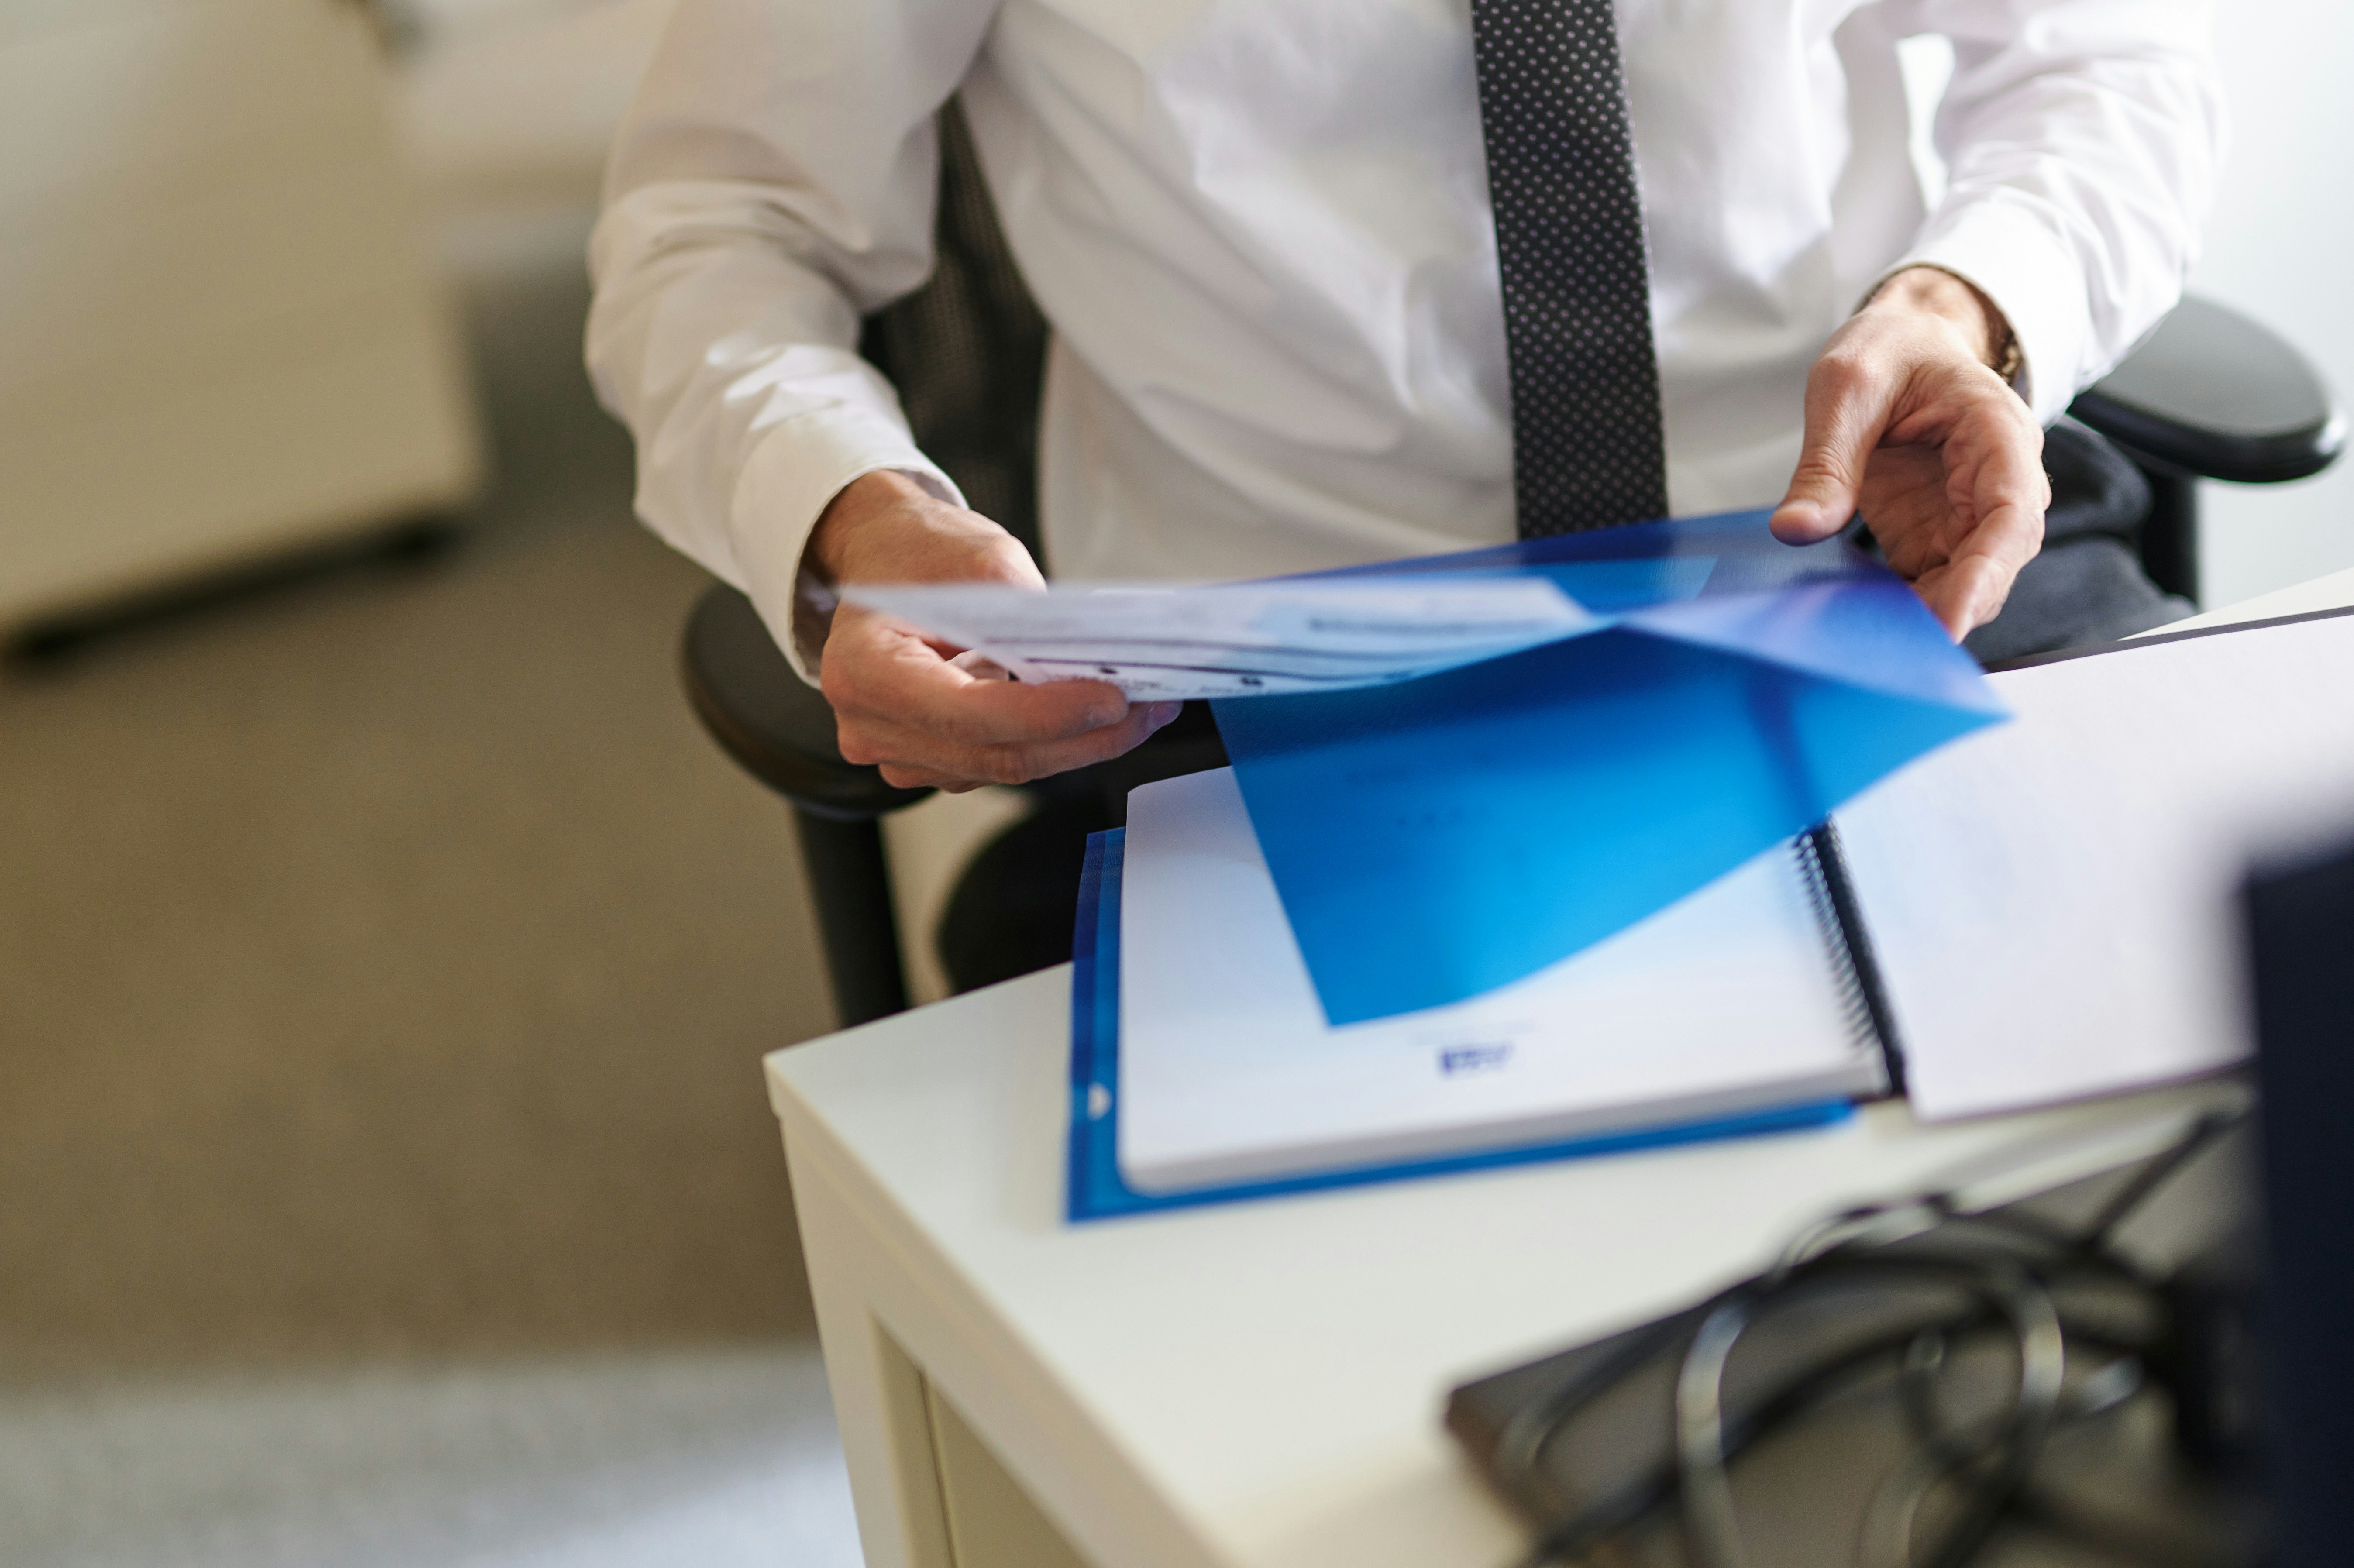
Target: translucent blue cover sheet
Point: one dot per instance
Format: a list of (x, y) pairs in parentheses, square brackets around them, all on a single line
[(1435, 839)]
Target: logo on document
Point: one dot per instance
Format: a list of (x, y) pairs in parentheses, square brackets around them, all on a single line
[(1456, 1060)]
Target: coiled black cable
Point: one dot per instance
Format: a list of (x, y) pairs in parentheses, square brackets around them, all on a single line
[(2011, 1269)]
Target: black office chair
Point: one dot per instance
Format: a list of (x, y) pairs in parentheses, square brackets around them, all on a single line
[(968, 355), (2210, 395)]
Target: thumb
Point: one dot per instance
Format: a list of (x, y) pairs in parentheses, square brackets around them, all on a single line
[(1843, 425)]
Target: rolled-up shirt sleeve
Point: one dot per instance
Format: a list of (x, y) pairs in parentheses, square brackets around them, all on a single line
[(773, 182), (2081, 139)]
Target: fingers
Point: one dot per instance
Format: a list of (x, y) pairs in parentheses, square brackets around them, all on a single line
[(1964, 595), (928, 721), (913, 757), (1974, 584), (2012, 490), (1906, 506), (877, 666), (914, 688), (1997, 457), (930, 715), (1849, 395)]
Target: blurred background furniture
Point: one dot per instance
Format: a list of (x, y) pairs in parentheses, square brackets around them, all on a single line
[(220, 340), (382, 1179), (2210, 395)]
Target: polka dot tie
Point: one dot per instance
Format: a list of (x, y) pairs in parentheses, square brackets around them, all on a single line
[(1587, 447)]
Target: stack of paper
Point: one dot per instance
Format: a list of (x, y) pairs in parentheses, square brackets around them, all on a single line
[(1157, 643), (2055, 904)]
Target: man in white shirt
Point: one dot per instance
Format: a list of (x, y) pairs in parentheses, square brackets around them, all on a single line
[(1263, 233)]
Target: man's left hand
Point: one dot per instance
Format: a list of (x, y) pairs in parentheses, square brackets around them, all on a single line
[(1907, 423)]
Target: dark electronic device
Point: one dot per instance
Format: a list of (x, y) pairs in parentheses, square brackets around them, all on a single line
[(2301, 950)]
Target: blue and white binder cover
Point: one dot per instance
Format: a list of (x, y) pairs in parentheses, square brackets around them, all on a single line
[(1202, 1071), (1436, 838)]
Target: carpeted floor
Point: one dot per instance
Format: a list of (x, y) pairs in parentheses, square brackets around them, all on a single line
[(632, 1459), (385, 964)]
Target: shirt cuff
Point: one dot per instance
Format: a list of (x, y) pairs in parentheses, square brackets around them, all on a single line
[(2012, 257), (785, 486)]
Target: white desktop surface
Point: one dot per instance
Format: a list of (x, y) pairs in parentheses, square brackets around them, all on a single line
[(1257, 1384)]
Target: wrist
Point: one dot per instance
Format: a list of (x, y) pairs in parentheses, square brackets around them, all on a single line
[(851, 521), (1960, 306)]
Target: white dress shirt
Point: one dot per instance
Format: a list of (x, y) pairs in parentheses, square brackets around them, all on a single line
[(1261, 231)]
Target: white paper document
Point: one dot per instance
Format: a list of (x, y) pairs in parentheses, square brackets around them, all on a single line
[(1162, 644), (2054, 901), (1737, 999)]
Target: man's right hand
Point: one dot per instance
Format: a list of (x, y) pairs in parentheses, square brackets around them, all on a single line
[(896, 698)]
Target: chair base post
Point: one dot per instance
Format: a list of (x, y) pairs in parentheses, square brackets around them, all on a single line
[(2169, 540), (850, 882)]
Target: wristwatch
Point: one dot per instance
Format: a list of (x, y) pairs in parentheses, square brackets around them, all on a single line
[(2008, 358)]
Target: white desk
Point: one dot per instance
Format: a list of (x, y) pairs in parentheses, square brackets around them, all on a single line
[(1254, 1384)]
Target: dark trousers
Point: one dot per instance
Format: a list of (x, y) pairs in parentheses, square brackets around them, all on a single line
[(1014, 910), (2087, 585)]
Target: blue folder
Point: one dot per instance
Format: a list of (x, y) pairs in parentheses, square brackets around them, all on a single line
[(1094, 1189), (1435, 839)]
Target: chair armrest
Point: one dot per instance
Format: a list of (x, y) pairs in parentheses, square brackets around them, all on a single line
[(769, 719), (2211, 393)]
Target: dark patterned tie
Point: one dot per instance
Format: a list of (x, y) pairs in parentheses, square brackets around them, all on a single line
[(1587, 447)]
